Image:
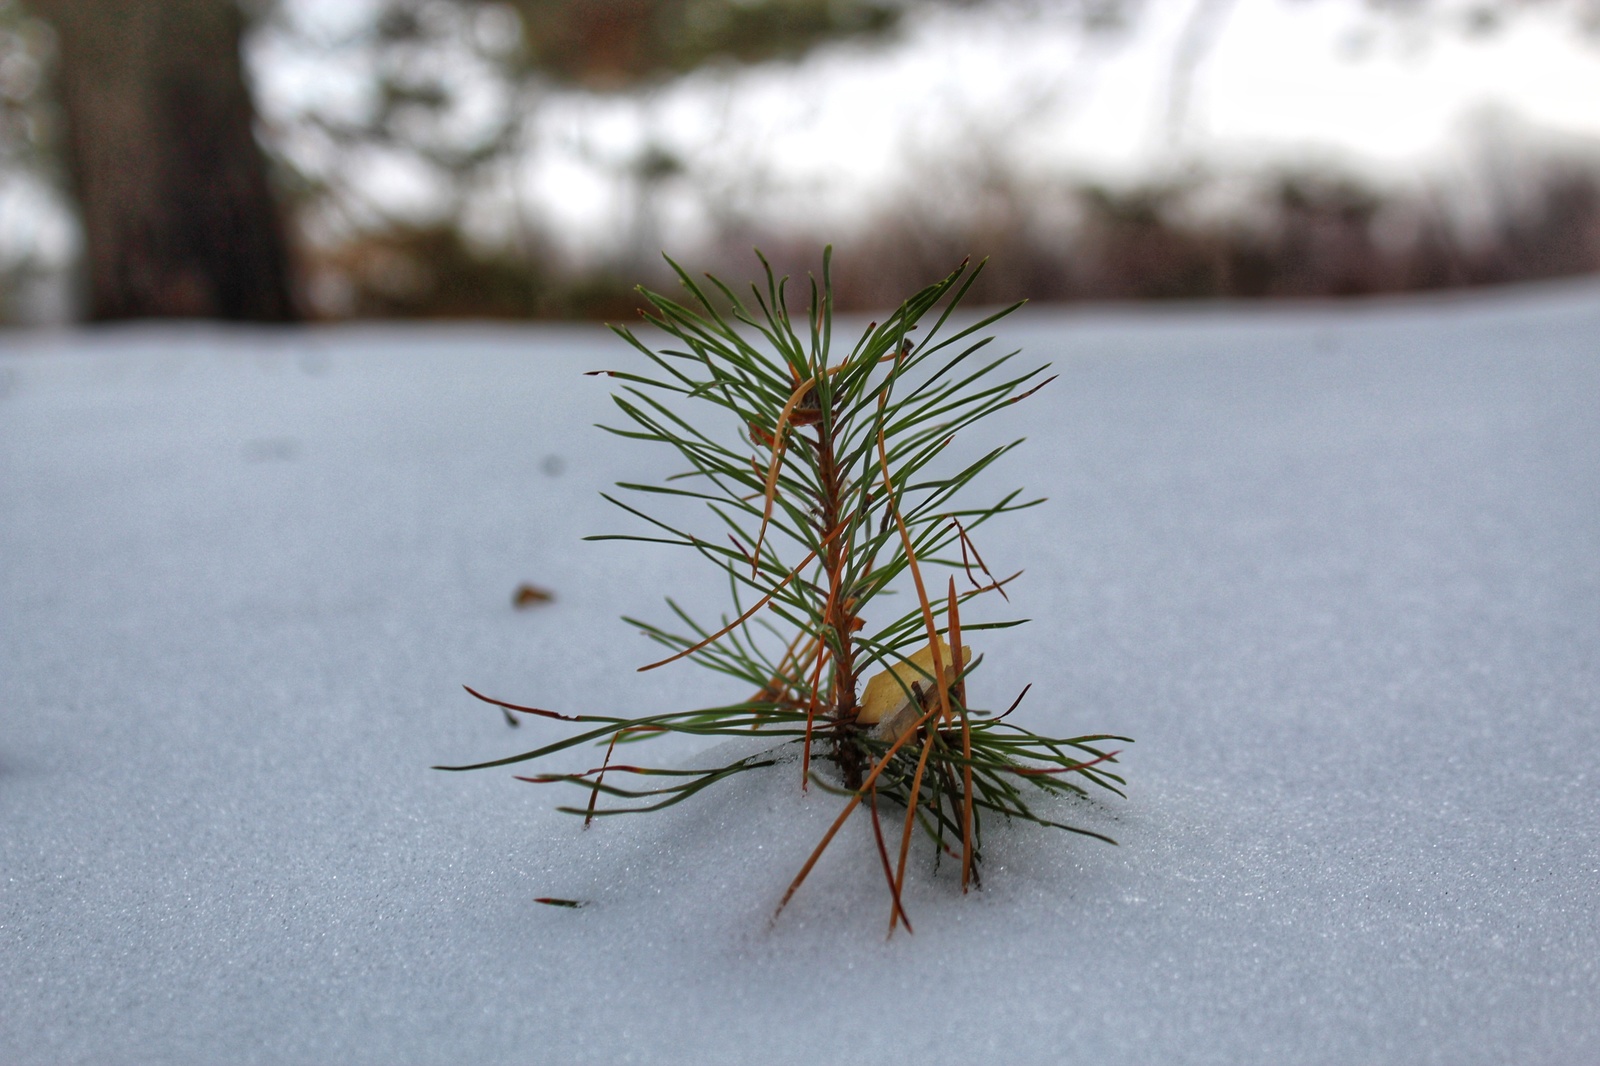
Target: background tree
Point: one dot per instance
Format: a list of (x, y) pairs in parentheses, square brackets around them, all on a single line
[(177, 213)]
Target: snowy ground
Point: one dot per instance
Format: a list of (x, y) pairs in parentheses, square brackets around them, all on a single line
[(1337, 570)]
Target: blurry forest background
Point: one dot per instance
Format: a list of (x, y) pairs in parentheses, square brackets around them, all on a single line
[(276, 160)]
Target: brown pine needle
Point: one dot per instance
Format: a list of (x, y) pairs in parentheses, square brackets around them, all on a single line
[(883, 854), (740, 548), (594, 793), (1001, 584), (1040, 771), (1018, 701), (518, 707), (1036, 388), (966, 542)]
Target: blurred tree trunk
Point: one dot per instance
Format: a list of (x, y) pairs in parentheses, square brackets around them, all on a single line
[(172, 187)]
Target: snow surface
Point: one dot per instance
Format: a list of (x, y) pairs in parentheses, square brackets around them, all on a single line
[(1336, 569)]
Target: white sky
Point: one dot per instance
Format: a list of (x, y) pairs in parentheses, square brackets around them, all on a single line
[(1286, 74)]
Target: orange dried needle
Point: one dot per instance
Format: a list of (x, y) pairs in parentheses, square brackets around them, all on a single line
[(911, 814), (933, 646), (771, 490), (966, 744), (777, 686)]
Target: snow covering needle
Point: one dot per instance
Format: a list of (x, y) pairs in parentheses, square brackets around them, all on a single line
[(827, 486)]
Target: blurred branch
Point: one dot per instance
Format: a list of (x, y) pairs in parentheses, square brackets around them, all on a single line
[(615, 44)]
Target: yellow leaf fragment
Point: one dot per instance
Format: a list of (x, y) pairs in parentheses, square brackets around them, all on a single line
[(885, 701)]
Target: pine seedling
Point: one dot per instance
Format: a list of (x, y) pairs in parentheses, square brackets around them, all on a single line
[(826, 487)]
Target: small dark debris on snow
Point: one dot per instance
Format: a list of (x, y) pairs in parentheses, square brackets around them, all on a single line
[(530, 596)]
